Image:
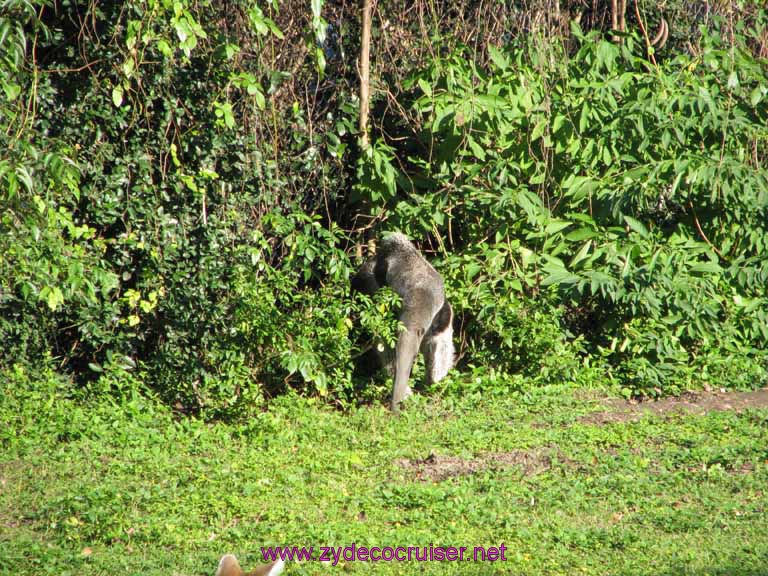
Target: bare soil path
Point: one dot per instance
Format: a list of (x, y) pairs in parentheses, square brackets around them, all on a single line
[(700, 402), (436, 468)]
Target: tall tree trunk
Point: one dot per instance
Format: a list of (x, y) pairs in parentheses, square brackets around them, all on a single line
[(365, 72)]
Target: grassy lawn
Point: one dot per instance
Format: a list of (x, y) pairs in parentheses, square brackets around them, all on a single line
[(127, 489)]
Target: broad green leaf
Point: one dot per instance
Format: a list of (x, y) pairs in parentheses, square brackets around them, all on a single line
[(117, 95), (425, 87), (129, 66), (581, 254), (559, 276), (25, 177), (11, 90), (477, 150), (274, 28), (557, 225), (258, 95), (557, 123), (54, 298), (164, 48), (584, 118), (636, 226), (707, 268), (581, 234), (497, 57), (539, 129)]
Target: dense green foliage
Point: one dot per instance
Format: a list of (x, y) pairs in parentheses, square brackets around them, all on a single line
[(146, 231), (183, 189), (640, 192), (184, 196)]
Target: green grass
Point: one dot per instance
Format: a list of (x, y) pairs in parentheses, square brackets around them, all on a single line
[(124, 488)]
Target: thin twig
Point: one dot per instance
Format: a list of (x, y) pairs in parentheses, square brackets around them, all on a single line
[(69, 70), (701, 232), (645, 34)]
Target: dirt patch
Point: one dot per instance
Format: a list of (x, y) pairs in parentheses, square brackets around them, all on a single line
[(700, 402), (436, 468)]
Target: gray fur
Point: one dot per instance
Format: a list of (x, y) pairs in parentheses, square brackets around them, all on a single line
[(426, 315)]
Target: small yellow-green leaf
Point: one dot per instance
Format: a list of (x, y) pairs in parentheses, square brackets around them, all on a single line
[(117, 95), (425, 87), (55, 298)]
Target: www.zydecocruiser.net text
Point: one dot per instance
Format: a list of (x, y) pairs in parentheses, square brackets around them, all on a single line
[(336, 554)]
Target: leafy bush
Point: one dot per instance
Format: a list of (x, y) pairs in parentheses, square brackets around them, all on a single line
[(152, 225), (179, 202), (503, 330), (637, 191)]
